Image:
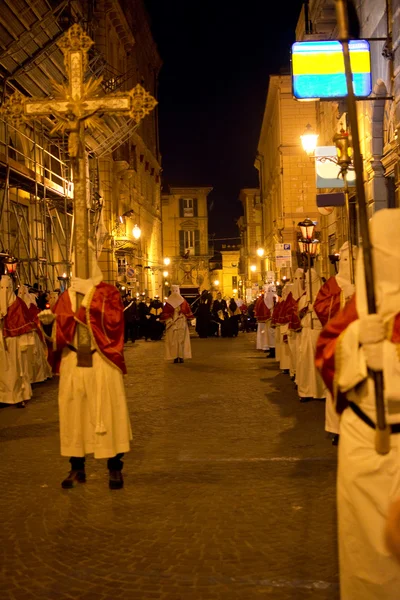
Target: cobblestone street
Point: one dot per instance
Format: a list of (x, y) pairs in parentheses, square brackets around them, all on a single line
[(229, 489)]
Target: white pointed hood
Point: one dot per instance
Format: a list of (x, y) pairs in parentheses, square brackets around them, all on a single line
[(384, 229), (7, 296), (175, 299)]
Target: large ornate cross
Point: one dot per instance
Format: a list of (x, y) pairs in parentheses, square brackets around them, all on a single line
[(78, 105)]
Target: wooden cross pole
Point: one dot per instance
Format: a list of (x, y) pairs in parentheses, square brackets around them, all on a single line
[(78, 105)]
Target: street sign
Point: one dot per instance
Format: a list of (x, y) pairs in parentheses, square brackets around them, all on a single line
[(327, 170), (130, 272), (318, 69), (283, 256)]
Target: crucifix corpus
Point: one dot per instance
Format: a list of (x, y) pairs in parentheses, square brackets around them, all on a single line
[(78, 105)]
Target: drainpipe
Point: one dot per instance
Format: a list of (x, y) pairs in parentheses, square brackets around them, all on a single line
[(260, 160)]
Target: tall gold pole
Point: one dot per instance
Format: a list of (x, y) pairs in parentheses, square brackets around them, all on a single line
[(382, 439)]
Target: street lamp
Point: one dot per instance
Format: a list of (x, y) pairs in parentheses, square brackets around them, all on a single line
[(165, 273), (136, 232), (10, 264), (260, 252), (343, 150), (307, 228), (309, 140), (253, 268), (167, 261), (216, 282), (310, 248)]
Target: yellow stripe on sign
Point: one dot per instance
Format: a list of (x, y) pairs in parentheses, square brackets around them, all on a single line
[(328, 63)]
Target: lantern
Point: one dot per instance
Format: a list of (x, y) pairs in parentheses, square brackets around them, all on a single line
[(136, 232), (309, 140), (11, 264), (167, 261), (253, 268), (260, 252), (307, 228), (343, 149)]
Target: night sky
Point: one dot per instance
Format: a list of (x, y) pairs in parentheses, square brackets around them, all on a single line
[(217, 55)]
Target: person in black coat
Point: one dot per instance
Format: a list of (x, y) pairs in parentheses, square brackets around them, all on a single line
[(130, 318), (144, 317), (156, 326), (203, 315)]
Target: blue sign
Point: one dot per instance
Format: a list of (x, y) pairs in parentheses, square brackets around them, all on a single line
[(318, 69)]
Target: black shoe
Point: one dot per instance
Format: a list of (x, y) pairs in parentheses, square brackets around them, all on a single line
[(180, 360), (306, 399), (176, 360), (285, 371), (73, 478), (116, 480), (271, 353), (335, 439), (20, 404)]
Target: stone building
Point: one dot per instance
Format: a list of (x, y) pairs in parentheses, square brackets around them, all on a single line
[(185, 236), (123, 158), (379, 117), (251, 237), (286, 174)]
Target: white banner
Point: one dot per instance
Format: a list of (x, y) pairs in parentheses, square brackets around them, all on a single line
[(283, 256)]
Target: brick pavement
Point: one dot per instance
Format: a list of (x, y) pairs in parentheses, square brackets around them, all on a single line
[(229, 489)]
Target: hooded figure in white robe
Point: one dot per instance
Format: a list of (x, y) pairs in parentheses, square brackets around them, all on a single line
[(263, 322), (343, 280), (369, 482), (271, 300), (176, 314), (15, 384), (295, 336), (92, 404), (39, 368), (309, 381), (284, 350)]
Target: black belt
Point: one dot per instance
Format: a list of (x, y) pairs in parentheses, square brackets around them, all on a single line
[(75, 350), (395, 428)]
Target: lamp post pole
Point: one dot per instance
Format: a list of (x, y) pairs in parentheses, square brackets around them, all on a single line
[(382, 439)]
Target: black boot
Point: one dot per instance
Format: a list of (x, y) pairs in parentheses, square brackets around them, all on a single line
[(335, 439), (73, 478), (271, 353), (77, 473), (114, 465), (180, 360), (176, 360)]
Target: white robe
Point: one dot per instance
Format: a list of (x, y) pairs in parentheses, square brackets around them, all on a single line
[(92, 406), (262, 336), (15, 385), (332, 419), (284, 352), (39, 368), (308, 379), (177, 337), (93, 411), (367, 481)]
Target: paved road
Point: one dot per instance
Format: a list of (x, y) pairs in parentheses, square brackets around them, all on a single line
[(229, 490)]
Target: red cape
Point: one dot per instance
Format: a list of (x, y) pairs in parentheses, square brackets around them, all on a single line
[(17, 320), (105, 318), (261, 311), (168, 311), (327, 302)]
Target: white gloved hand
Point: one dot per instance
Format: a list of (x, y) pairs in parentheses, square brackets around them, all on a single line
[(372, 329), (46, 316), (147, 316), (81, 286), (374, 356)]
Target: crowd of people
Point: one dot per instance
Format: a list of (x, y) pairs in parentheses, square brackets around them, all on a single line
[(322, 336), (320, 333)]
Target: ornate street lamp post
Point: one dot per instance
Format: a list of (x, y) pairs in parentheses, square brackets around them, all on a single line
[(310, 247)]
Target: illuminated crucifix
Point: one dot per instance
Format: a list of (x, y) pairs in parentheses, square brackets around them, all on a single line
[(79, 105)]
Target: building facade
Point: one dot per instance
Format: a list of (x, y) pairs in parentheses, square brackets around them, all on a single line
[(185, 236), (251, 236), (378, 117), (123, 160), (286, 174)]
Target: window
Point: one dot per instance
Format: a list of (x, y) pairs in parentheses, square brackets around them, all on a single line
[(234, 281), (122, 266), (189, 241), (188, 207)]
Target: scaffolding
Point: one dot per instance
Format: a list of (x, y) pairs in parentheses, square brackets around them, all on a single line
[(36, 188)]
